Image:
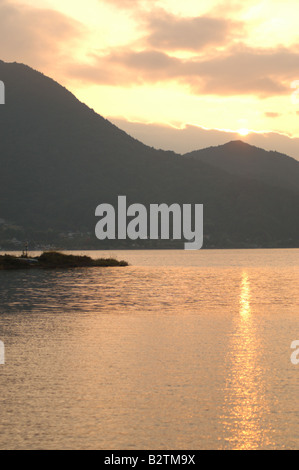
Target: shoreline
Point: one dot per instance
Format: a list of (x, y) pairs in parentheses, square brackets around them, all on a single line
[(56, 260)]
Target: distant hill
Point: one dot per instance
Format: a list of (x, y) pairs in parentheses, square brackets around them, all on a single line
[(59, 160), (186, 138), (242, 159)]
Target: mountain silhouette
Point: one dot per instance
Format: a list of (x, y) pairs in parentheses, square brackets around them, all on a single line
[(59, 160), (243, 159)]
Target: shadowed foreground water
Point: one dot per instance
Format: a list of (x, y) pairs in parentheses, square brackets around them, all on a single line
[(181, 350)]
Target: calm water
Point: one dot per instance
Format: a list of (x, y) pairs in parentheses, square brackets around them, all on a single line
[(181, 350)]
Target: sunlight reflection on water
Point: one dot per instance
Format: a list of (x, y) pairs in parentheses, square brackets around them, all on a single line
[(158, 355)]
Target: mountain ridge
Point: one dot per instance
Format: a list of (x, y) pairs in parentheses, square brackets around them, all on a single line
[(60, 160), (240, 158)]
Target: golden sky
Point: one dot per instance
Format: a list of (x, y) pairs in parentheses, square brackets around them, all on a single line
[(219, 64)]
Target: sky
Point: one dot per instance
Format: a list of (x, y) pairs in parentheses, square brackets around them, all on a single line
[(222, 68)]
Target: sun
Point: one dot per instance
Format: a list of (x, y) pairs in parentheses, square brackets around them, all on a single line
[(243, 132)]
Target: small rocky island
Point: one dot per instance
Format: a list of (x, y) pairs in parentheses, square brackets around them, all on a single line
[(56, 260)]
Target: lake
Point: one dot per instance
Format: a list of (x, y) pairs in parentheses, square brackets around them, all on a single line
[(180, 350)]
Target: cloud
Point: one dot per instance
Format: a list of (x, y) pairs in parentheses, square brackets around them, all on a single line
[(244, 70), (188, 138), (131, 4), (35, 36), (49, 40), (127, 68), (239, 71), (231, 7), (170, 32), (270, 114)]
